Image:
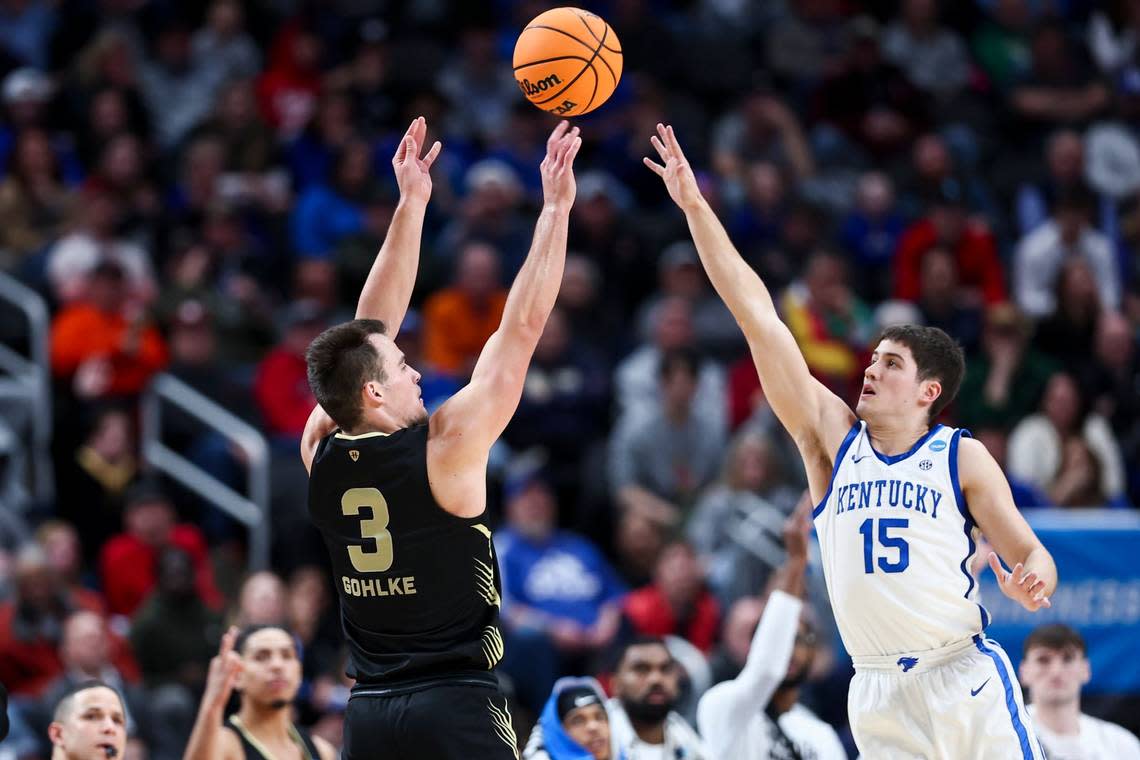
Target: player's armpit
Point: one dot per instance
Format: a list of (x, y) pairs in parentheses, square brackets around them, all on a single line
[(317, 427), (990, 502)]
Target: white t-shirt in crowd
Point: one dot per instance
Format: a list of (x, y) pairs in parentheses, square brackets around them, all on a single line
[(1097, 740)]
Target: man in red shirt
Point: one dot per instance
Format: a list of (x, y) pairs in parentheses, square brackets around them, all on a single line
[(128, 561), (281, 387), (948, 226), (677, 603)]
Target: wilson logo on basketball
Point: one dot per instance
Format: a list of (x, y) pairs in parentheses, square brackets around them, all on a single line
[(531, 89), (353, 454)]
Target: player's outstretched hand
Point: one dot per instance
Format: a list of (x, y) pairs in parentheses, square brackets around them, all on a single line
[(676, 172), (412, 172), (796, 530), (557, 168), (1024, 588), (225, 667)]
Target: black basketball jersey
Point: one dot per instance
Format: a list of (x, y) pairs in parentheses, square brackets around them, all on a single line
[(419, 587), (254, 750)]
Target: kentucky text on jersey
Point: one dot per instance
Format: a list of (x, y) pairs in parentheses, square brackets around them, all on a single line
[(893, 494), (405, 586)]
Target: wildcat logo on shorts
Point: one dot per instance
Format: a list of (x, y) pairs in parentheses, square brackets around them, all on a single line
[(906, 663), (925, 465), (938, 445)]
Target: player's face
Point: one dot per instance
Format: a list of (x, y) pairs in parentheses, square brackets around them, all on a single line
[(271, 672), (1054, 676), (401, 391), (647, 680), (891, 385), (589, 726), (95, 723)]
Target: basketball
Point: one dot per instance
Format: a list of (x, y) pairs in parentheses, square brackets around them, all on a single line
[(567, 61)]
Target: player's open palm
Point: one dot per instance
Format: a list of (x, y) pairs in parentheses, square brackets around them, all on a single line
[(1025, 588), (674, 169), (557, 168), (413, 174), (225, 667)]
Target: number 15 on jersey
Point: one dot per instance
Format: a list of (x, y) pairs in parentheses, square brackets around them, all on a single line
[(888, 543)]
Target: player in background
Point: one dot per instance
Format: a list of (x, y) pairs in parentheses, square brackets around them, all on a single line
[(898, 500), (399, 498), (89, 723), (1054, 667), (262, 663), (756, 714)]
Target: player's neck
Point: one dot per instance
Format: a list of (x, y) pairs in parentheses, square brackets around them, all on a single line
[(896, 435), (650, 733), (1062, 718), (267, 724)]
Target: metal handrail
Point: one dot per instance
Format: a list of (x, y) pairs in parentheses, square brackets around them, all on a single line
[(251, 509), (31, 380)]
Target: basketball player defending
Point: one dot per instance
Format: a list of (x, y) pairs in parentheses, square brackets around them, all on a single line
[(898, 506), (399, 497)]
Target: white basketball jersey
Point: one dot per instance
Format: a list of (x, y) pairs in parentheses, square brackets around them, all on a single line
[(897, 541)]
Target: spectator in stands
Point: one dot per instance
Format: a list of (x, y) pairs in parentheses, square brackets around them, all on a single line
[(1065, 169), (327, 213), (943, 304), (757, 713), (178, 89), (574, 725), (560, 596), (89, 723), (678, 603), (829, 322), (1110, 386), (173, 633), (251, 153), (637, 378), (736, 524), (1114, 34), (808, 43), (60, 544), (762, 128), (32, 621), (870, 234), (72, 261), (479, 91), (121, 172), (281, 385), (288, 87), (1061, 87), (1066, 450), (564, 407), (261, 601), (34, 201), (459, 320), (970, 241), (1001, 42), (491, 213), (933, 56), (659, 462), (1069, 234), (996, 441), (224, 44), (594, 320), (1054, 667), (1067, 333), (1005, 382), (129, 562), (646, 688)]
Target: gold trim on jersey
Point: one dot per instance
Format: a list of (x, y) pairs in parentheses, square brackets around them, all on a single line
[(482, 529), (492, 644), (504, 727), (485, 583), (294, 734), (347, 437)]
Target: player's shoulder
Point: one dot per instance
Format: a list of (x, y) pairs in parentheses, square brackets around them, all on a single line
[(231, 747)]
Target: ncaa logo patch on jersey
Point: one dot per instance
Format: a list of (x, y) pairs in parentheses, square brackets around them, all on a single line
[(937, 445), (353, 454), (925, 464)]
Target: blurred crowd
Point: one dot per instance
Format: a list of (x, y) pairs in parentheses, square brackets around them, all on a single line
[(200, 189)]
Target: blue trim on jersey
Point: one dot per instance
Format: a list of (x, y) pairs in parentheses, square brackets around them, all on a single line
[(835, 468), (1010, 700), (917, 445), (967, 519)]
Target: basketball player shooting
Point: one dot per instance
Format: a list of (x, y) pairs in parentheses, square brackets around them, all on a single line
[(899, 501), (399, 497)]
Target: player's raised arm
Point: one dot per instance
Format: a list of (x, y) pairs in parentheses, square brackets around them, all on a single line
[(207, 740), (803, 405), (465, 427), (1034, 574), (388, 289)]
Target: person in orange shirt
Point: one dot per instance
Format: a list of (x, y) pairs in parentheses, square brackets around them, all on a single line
[(102, 342), (459, 320)]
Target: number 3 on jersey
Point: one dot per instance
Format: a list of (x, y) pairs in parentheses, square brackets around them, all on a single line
[(887, 541), (375, 528)]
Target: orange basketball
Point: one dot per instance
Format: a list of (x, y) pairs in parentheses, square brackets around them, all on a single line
[(567, 61)]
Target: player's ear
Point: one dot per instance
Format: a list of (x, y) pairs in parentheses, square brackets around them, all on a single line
[(55, 734), (931, 390)]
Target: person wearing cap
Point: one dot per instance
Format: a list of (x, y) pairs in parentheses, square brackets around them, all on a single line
[(560, 595), (491, 213), (574, 725), (971, 242), (1069, 234)]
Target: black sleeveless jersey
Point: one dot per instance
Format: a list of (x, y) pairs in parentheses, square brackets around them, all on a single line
[(419, 587), (254, 750)]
